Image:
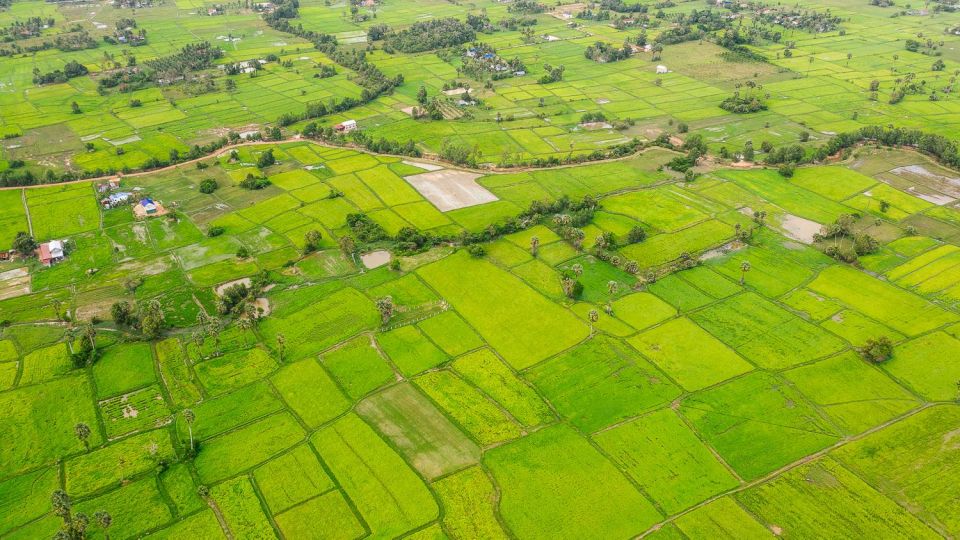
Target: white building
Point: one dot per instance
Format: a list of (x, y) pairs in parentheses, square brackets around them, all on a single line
[(662, 69)]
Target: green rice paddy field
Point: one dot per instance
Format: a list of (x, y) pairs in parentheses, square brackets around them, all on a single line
[(708, 403)]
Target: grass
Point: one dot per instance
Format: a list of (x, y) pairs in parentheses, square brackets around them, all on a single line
[(472, 410), (527, 342), (689, 355), (292, 478), (358, 367), (601, 382), (468, 501), (309, 392), (571, 492), (488, 373), (775, 418), (239, 450), (429, 441), (667, 460), (389, 496)]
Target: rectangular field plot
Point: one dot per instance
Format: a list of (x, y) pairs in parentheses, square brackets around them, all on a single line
[(451, 189), (291, 479), (389, 496), (572, 492), (601, 382), (757, 423), (886, 303), (504, 310), (236, 451), (138, 410), (765, 333), (689, 355), (432, 444), (468, 501), (824, 496), (472, 410), (667, 460)]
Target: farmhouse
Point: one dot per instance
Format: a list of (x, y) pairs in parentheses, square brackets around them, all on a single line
[(346, 126), (147, 207), (108, 186), (116, 199), (50, 253), (662, 69)]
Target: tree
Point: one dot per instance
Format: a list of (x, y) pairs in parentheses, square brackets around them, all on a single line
[(281, 345), (198, 339), (759, 216), (613, 287), (577, 269), (422, 96), (266, 159), (877, 350), (151, 319), (75, 108), (122, 313), (312, 240), (534, 245), (245, 324), (593, 316), (83, 433), (189, 418), (636, 235), (104, 519), (55, 304), (24, 244), (347, 246), (744, 268), (385, 307), (208, 186)]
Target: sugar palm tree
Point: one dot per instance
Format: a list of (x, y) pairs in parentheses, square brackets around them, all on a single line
[(281, 345), (534, 245), (744, 268), (189, 418)]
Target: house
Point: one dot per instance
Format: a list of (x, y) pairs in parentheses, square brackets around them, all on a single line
[(116, 199), (149, 207), (50, 252), (662, 69), (108, 186), (346, 126)]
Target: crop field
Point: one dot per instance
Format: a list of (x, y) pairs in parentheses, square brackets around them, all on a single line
[(488, 269), (711, 400)]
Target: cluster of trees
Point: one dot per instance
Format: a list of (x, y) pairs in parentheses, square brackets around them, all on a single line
[(25, 29), (695, 147), (553, 74), (365, 229), (459, 153), (192, 57), (842, 230), (254, 183), (381, 145), (527, 7), (74, 39), (939, 147), (147, 317), (810, 21), (430, 35), (748, 99), (70, 70), (74, 525), (605, 52)]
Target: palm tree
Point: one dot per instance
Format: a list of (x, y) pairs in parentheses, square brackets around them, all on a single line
[(613, 287), (83, 433), (577, 269), (281, 345), (189, 417), (244, 324), (90, 332), (593, 316), (213, 329), (56, 303), (744, 268), (534, 245), (198, 340), (104, 520)]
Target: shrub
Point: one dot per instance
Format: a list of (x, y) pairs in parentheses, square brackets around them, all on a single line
[(208, 186)]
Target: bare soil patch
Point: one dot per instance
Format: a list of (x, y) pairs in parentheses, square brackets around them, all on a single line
[(451, 189)]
